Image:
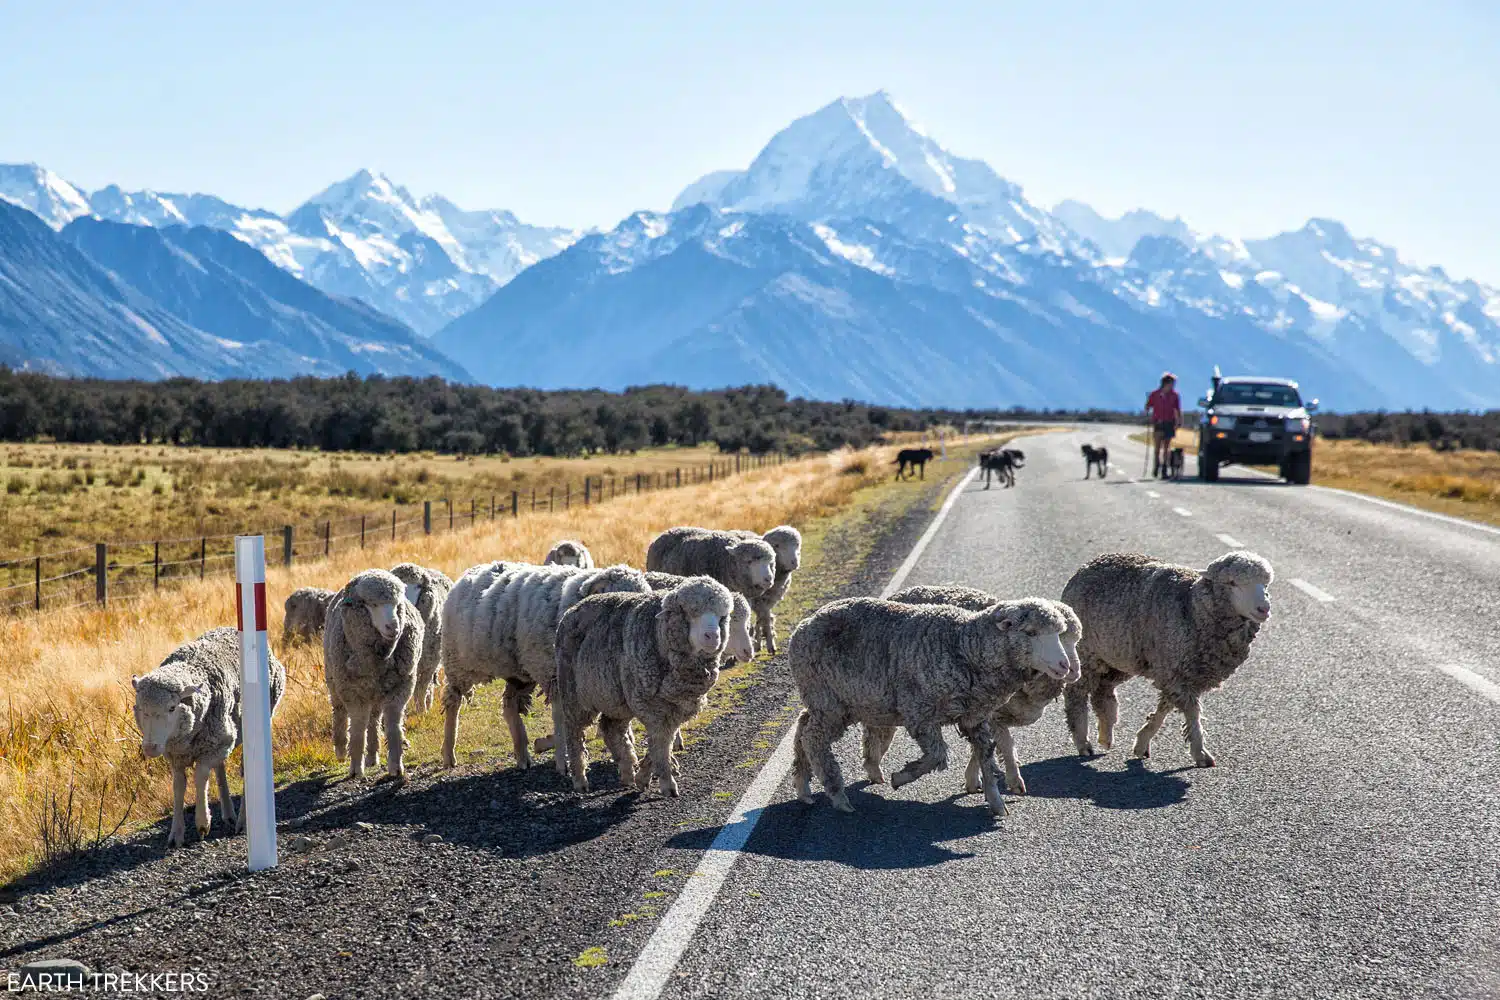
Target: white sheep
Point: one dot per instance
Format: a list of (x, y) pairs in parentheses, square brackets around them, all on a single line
[(569, 552), (305, 608), (786, 542), (1184, 631), (188, 710), (746, 565), (426, 589), (879, 663), (500, 623), (651, 657), (372, 643)]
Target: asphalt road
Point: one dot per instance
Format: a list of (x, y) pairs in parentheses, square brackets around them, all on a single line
[(1346, 845)]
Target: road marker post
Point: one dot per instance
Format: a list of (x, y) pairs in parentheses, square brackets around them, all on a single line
[(259, 802)]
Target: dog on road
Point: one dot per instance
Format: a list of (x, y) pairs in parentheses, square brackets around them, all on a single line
[(1003, 464), (1174, 464), (1095, 458)]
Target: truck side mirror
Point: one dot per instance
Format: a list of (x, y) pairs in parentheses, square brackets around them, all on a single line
[(1312, 407), (1203, 402)]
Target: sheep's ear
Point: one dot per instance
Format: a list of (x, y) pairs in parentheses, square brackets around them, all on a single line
[(135, 682), (188, 694)]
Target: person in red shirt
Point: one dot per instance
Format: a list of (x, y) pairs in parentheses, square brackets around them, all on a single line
[(1166, 413)]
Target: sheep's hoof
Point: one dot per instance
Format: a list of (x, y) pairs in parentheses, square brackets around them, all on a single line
[(994, 801), (804, 790), (202, 830), (874, 775), (841, 801), (177, 837), (1142, 750), (670, 787), (901, 778), (1087, 750), (1206, 760), (1106, 740), (1016, 786), (580, 784)]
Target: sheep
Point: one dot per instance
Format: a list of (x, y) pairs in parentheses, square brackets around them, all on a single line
[(188, 710), (912, 461), (1021, 709), (651, 657), (500, 623), (426, 589), (372, 646), (569, 552), (1095, 458), (1184, 631), (787, 543), (746, 565), (306, 607), (920, 666)]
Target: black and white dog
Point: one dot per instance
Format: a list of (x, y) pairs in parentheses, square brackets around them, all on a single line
[(1095, 458), (1003, 464), (1174, 464)]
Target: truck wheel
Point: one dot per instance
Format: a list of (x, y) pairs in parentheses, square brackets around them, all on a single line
[(1208, 467), (1299, 469)]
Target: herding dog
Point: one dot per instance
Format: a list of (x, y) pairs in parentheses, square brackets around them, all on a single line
[(1095, 458), (913, 460)]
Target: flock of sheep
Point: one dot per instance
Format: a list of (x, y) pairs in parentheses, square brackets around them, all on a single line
[(610, 645)]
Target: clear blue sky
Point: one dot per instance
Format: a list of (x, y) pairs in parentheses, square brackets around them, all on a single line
[(1243, 118)]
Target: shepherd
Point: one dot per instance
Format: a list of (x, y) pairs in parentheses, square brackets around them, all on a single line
[(1166, 414)]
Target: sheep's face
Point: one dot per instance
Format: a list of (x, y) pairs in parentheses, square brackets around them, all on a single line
[(787, 544), (383, 617), (740, 645), (759, 560), (163, 716), (566, 554), (706, 632), (1051, 637), (1245, 578)]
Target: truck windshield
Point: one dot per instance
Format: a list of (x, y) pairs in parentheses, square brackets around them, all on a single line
[(1248, 393)]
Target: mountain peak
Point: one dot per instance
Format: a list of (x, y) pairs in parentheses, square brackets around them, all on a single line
[(40, 191)]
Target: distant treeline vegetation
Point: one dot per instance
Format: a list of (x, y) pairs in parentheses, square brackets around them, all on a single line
[(1441, 431), (380, 414)]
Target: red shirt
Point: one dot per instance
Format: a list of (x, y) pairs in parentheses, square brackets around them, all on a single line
[(1164, 405)]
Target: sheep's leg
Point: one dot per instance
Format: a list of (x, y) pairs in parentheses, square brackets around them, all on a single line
[(573, 749), (372, 738), (202, 817), (1107, 710), (559, 736), (877, 743), (818, 735), (659, 757), (621, 743), (395, 739), (801, 763), (511, 709), (226, 801), (1147, 732), (359, 724), (982, 745), (771, 632), (929, 737), (178, 835), (453, 699), (340, 729), (1192, 728), (1076, 711), (1005, 743)]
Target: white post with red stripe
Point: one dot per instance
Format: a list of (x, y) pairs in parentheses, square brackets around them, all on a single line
[(259, 803)]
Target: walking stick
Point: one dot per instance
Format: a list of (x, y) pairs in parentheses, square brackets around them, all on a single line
[(1150, 445)]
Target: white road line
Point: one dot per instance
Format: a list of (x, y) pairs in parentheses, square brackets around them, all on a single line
[(1406, 509), (1182, 511), (1314, 592), (1231, 541), (1471, 680), (670, 940), (1153, 494)]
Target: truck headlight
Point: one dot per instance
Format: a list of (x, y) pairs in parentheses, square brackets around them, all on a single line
[(1297, 424), (1223, 423)]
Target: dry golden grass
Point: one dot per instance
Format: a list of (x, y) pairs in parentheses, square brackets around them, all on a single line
[(65, 677), (1460, 483)]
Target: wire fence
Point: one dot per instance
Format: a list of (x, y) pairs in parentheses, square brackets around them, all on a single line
[(113, 571)]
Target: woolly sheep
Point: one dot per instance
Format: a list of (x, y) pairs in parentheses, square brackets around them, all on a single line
[(1021, 709), (426, 589), (306, 608), (922, 667), (372, 645), (1183, 630), (569, 552), (188, 710), (786, 542), (500, 623), (744, 565), (651, 657)]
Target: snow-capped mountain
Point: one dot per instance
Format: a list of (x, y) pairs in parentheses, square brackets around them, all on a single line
[(422, 261), (856, 256)]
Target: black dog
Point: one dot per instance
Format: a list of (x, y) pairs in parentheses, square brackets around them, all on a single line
[(1002, 463), (1095, 457), (1174, 464), (913, 460)]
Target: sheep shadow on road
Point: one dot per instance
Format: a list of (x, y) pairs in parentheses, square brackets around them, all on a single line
[(1137, 787), (882, 834)]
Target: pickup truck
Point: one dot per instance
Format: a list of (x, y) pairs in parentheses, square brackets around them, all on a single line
[(1256, 421)]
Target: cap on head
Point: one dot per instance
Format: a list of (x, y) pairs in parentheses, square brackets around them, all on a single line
[(1167, 377)]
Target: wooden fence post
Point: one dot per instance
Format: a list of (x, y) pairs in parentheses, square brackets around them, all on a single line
[(427, 517), (567, 496), (393, 524), (710, 472), (327, 538), (473, 511), (533, 499), (449, 502), (203, 558), (361, 531), (101, 573), (515, 504), (679, 476), (736, 463), (39, 583), (286, 545), (638, 484), (586, 482), (492, 506), (156, 566)]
